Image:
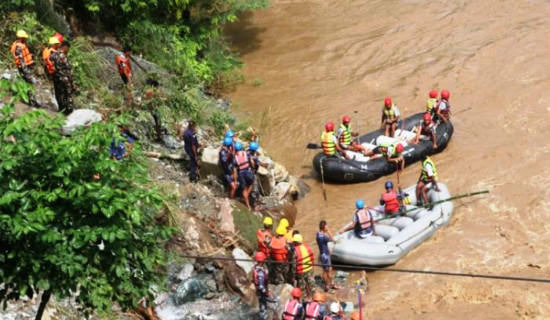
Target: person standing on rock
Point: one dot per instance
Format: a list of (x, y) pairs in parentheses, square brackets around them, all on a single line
[(264, 236), (253, 152), (323, 237), (191, 147), (294, 310), (260, 277), (279, 254), (242, 170), (302, 265), (124, 66), (63, 79), (225, 158), (24, 61)]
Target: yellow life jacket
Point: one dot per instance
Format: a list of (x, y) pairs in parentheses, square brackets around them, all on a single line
[(327, 141), (424, 173), (390, 113), (345, 136), (430, 105)]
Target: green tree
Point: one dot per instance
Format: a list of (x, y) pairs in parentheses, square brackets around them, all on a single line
[(64, 230)]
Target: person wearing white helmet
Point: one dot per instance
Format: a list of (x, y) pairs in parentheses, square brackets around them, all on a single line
[(335, 312)]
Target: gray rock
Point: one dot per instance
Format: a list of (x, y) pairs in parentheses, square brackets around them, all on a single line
[(280, 173), (170, 142), (281, 189), (225, 215), (209, 159), (189, 291), (247, 266), (79, 118), (186, 272)]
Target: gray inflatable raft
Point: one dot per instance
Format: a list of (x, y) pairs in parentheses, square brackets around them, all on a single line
[(394, 237)]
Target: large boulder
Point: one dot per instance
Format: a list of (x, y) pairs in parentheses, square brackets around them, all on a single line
[(226, 215), (79, 118), (266, 180), (240, 255), (281, 293), (280, 173), (198, 199), (237, 281), (191, 235), (281, 189), (209, 159)]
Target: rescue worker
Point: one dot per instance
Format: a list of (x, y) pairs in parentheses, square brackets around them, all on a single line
[(427, 175), (125, 66), (226, 162), (443, 108), (432, 103), (390, 116), (289, 232), (362, 222), (293, 309), (53, 46), (63, 79), (121, 148), (279, 253), (335, 312), (264, 236), (329, 142), (389, 199), (426, 129), (242, 170), (315, 309), (260, 278), (323, 237), (253, 152), (392, 153), (191, 147), (24, 61), (345, 134), (302, 265)]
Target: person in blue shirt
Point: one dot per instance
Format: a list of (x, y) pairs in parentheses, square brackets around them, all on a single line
[(118, 149), (226, 163), (260, 276), (324, 236), (192, 146), (362, 223)]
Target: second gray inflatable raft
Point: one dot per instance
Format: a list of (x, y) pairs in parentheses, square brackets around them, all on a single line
[(395, 237)]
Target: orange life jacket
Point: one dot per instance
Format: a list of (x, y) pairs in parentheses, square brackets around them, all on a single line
[(312, 310), (279, 252), (242, 160), (391, 203), (123, 64), (27, 56), (363, 218), (261, 234), (291, 309), (304, 258), (46, 57)]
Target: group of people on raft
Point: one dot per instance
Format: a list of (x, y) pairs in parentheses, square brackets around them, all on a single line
[(336, 144), (286, 258)]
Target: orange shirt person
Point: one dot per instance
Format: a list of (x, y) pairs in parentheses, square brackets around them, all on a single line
[(125, 66)]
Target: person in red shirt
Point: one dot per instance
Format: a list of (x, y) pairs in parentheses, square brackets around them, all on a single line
[(389, 199), (124, 66)]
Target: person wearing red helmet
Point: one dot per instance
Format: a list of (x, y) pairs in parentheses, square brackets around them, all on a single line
[(431, 103), (426, 129), (392, 152), (345, 133), (390, 116), (260, 277), (443, 108), (329, 141), (293, 309)]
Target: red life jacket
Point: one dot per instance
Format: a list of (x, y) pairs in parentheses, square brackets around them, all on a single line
[(312, 310), (261, 234), (123, 64), (391, 203), (304, 258), (279, 251), (363, 218), (291, 309), (242, 160)]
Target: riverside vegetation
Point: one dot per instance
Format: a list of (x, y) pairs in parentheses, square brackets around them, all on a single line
[(71, 219)]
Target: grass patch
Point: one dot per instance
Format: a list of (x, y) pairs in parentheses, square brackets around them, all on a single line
[(246, 223)]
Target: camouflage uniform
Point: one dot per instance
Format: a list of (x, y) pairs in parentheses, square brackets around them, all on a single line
[(302, 280), (63, 81), (26, 74)]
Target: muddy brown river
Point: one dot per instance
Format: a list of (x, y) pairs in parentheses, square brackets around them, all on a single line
[(317, 60)]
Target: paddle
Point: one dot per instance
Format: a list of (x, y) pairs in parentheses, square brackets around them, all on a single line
[(323, 180), (356, 126), (312, 145), (435, 202)]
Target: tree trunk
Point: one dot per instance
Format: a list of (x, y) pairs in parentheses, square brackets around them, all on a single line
[(43, 302)]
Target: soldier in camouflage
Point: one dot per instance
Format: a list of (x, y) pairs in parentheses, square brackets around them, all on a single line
[(63, 79)]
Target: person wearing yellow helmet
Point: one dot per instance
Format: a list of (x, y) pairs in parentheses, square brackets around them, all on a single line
[(24, 61), (302, 265), (53, 46), (289, 232), (279, 250), (264, 236)]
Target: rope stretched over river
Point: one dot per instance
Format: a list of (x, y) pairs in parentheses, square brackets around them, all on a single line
[(400, 270)]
